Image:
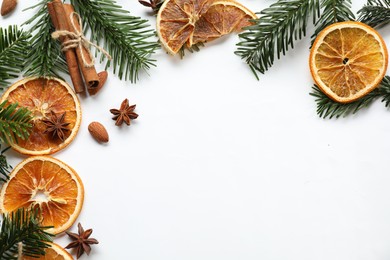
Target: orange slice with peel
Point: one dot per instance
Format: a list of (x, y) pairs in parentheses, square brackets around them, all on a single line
[(187, 22), (222, 17), (48, 184), (348, 60), (176, 22), (55, 252), (43, 96)]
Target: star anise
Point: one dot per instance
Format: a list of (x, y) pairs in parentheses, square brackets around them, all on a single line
[(56, 125), (154, 4), (81, 241), (124, 114)]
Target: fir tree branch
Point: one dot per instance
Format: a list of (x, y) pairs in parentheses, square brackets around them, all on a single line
[(194, 48), (275, 31), (13, 52), (5, 168), (15, 122), (125, 37), (23, 226), (384, 91), (45, 58), (375, 13), (327, 108), (333, 11)]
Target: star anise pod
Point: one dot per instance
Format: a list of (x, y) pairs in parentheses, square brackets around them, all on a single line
[(154, 4), (81, 241), (56, 125), (124, 114)]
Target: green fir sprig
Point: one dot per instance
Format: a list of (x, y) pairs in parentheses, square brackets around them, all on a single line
[(22, 230), (327, 108), (194, 48), (5, 168), (275, 31), (14, 46), (333, 11), (15, 122), (45, 57), (375, 13), (127, 38)]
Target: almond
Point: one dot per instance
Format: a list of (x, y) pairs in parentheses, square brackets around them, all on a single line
[(98, 131), (8, 6)]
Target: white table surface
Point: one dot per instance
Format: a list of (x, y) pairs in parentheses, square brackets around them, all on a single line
[(222, 166)]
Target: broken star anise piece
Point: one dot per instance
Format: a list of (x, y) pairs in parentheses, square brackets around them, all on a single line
[(124, 114), (56, 125), (81, 241)]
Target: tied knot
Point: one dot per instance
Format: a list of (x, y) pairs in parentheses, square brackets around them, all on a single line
[(77, 39)]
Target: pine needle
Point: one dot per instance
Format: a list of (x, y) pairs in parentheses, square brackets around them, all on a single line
[(23, 226), (194, 48), (384, 91), (375, 13), (278, 27), (13, 52), (333, 11), (14, 122), (327, 108), (44, 58), (5, 168), (127, 38)]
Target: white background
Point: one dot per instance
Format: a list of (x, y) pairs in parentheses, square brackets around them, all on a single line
[(222, 166)]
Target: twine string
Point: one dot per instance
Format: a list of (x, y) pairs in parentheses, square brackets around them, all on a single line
[(78, 40), (20, 251)]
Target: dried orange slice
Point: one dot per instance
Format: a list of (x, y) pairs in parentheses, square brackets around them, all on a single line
[(44, 96), (348, 60), (189, 22), (48, 184), (55, 252), (176, 21), (222, 17)]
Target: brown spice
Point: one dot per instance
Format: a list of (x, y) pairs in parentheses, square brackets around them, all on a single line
[(154, 4), (103, 75), (89, 72), (56, 126), (81, 241), (58, 17), (124, 114), (8, 6)]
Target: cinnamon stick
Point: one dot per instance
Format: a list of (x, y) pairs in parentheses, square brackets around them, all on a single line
[(58, 18), (89, 73), (103, 75)]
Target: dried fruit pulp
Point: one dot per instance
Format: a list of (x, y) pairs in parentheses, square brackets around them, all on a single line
[(189, 22), (55, 252), (348, 60), (222, 17), (48, 184), (42, 96)]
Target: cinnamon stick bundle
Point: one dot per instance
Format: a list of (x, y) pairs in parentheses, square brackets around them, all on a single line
[(58, 18), (89, 72)]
